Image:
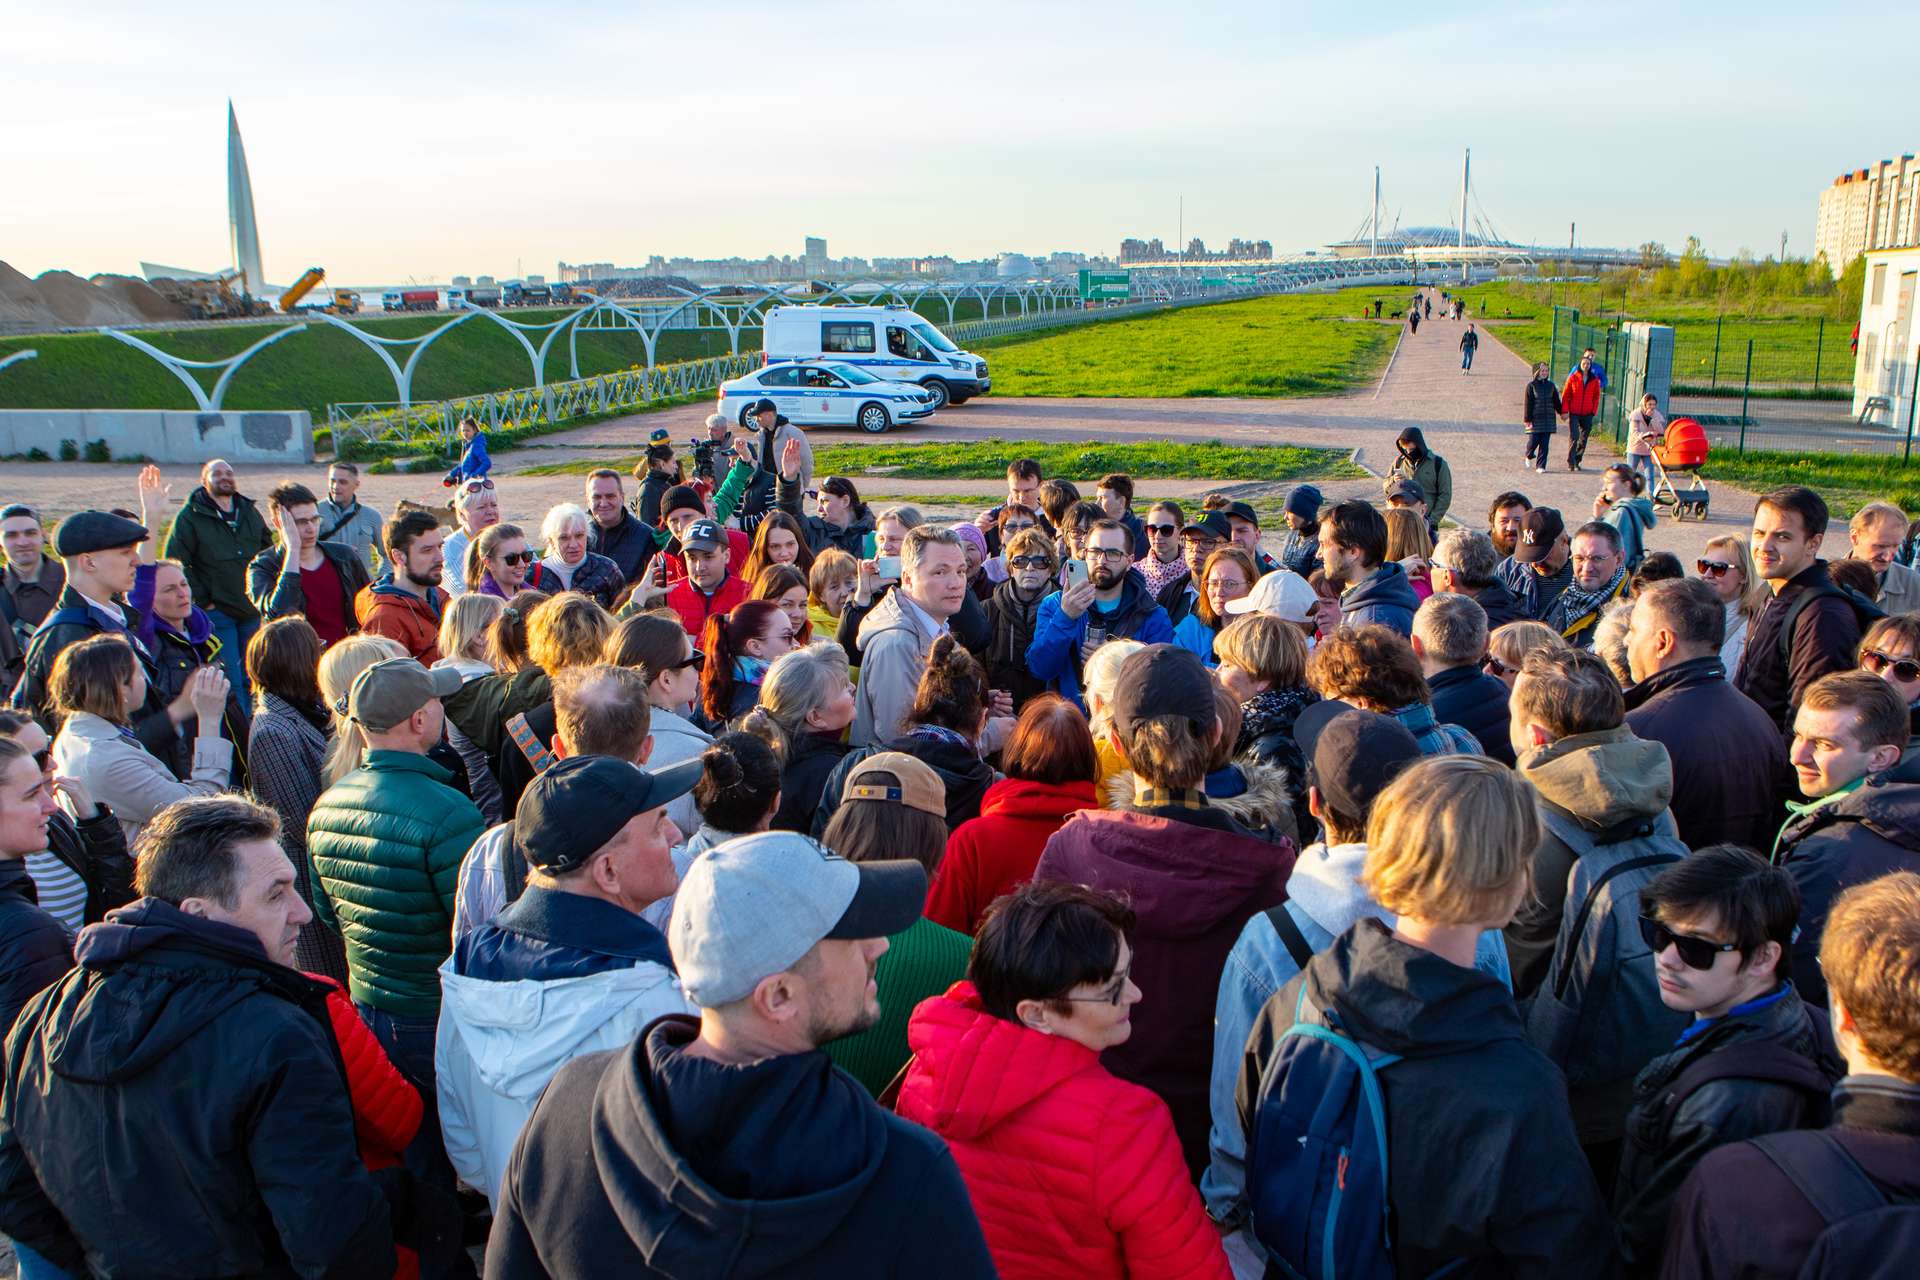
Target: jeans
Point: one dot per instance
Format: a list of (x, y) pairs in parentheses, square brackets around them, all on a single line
[(1643, 463), (1537, 444), (32, 1266), (409, 1044), (1466, 358), (233, 636), (1579, 427)]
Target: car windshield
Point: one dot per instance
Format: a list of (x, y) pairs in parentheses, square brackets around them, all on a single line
[(932, 337), (858, 377)]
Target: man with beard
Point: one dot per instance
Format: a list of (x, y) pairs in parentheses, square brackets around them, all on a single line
[(1353, 543), (731, 1143), (405, 603), (1538, 569), (1503, 520), (1599, 576), (1112, 604), (215, 537)]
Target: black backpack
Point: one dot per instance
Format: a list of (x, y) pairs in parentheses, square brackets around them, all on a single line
[(1865, 612), (1868, 1235)]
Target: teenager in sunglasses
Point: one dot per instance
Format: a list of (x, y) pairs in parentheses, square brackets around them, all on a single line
[(1891, 650), (497, 561), (1752, 1060)]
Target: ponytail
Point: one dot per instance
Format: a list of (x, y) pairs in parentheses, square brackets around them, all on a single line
[(723, 640)]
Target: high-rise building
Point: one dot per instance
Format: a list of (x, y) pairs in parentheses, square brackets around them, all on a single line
[(244, 231), (816, 257), (1872, 208)]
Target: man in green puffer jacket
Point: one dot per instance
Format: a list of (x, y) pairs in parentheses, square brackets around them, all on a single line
[(386, 843)]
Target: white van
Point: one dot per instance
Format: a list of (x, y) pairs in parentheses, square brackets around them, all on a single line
[(892, 343)]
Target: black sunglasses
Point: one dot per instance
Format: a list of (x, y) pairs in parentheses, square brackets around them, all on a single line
[(1031, 562), (517, 557), (696, 660), (1710, 568), (1695, 953), (1163, 530), (1905, 670), (1493, 666)]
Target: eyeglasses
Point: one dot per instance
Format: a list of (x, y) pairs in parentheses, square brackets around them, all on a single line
[(696, 660), (1493, 666), (1031, 562), (1163, 530), (1711, 568), (1113, 996), (517, 557), (1109, 553), (1014, 526), (475, 486), (1695, 953), (1905, 670)]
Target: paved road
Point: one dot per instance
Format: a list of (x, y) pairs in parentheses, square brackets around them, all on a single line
[(1471, 420)]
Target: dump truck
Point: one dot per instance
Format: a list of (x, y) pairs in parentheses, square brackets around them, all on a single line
[(410, 300), (309, 281), (345, 303)]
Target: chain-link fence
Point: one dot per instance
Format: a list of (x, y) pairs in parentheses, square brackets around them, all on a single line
[(1571, 338)]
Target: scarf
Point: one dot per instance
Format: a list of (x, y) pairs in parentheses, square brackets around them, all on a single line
[(1161, 574), (1273, 710), (1014, 614), (1575, 604), (749, 670)]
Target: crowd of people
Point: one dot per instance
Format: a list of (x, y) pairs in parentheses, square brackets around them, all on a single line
[(727, 879)]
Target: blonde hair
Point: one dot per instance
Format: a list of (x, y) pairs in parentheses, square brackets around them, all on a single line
[(1876, 513), (567, 630), (798, 683), (1870, 953), (1098, 677), (1407, 534), (830, 566), (1265, 647), (1450, 840), (1513, 641), (1754, 595), (340, 665), (463, 627)]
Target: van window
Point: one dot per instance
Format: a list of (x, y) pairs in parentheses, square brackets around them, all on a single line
[(902, 343), (846, 337)]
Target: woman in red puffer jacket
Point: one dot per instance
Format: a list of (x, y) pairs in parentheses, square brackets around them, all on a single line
[(1072, 1172), (1050, 766)]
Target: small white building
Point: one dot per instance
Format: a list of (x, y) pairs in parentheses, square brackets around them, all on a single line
[(1887, 357)]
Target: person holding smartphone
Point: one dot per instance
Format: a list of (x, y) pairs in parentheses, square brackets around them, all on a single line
[(1106, 599)]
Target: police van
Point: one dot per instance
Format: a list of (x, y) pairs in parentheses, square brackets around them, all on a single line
[(892, 343)]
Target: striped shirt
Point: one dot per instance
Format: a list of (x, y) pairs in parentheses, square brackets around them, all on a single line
[(62, 893)]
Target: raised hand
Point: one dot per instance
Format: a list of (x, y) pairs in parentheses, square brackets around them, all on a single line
[(790, 459), (155, 492), (207, 689)]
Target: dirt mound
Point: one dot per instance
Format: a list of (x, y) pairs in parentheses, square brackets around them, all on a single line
[(139, 296), (60, 299)]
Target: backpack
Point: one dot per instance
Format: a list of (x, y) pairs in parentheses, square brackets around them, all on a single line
[(1317, 1153), (1868, 1235), (1742, 1060), (1865, 612), (1599, 1015)]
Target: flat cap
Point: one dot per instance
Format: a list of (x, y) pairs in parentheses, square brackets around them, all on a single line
[(86, 531)]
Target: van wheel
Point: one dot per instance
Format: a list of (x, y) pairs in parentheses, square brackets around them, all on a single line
[(942, 397), (873, 418)]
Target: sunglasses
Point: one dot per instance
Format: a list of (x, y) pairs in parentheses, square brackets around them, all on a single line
[(475, 486), (1493, 666), (1695, 953), (1113, 995), (696, 660), (1031, 562), (1163, 530), (517, 557), (1905, 670), (1711, 568)]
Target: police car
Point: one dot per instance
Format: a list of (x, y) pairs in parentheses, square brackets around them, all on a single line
[(825, 393)]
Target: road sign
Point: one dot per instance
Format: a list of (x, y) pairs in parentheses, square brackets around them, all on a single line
[(1097, 285)]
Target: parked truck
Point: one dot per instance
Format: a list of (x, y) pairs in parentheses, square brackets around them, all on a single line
[(529, 295), (410, 300)]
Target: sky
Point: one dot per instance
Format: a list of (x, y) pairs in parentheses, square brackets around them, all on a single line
[(402, 141)]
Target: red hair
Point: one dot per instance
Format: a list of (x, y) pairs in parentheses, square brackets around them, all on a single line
[(1051, 744)]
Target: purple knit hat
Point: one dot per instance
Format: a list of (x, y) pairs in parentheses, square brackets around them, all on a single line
[(971, 534)]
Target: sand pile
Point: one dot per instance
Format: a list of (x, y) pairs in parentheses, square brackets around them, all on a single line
[(60, 299)]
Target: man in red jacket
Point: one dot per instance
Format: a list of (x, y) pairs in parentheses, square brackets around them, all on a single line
[(710, 586), (1193, 875), (1579, 401)]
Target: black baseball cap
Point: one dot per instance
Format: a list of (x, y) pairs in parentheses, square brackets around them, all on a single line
[(764, 406), (1540, 528), (1213, 524), (571, 811), (1243, 511), (1163, 680), (1352, 754)]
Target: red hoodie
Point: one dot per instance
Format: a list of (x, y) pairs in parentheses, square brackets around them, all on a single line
[(1193, 882), (1071, 1171), (988, 855)]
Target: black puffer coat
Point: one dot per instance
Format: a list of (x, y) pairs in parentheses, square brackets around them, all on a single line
[(1477, 702), (184, 1064), (1729, 765), (1665, 1141), (34, 950), (811, 759)]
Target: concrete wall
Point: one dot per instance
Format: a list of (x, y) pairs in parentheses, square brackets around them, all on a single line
[(162, 435)]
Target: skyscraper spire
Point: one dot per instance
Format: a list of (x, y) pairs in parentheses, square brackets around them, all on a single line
[(245, 232)]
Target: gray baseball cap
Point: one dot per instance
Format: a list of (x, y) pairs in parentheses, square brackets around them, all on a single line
[(388, 692), (751, 907)]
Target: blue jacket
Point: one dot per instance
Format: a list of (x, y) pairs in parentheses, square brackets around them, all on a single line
[(1325, 899), (1631, 519), (1192, 633), (1383, 596), (1054, 654), (474, 463)]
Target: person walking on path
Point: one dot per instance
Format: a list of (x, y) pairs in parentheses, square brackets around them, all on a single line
[(1646, 428), (1579, 402), (1539, 415), (1469, 343), (1413, 319), (215, 537)]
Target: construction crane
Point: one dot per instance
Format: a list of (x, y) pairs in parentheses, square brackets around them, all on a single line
[(309, 280)]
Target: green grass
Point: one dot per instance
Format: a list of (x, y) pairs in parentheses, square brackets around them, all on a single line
[(1084, 461), (1288, 345), (1847, 481)]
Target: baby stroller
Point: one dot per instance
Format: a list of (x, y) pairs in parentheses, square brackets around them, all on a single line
[(1684, 450)]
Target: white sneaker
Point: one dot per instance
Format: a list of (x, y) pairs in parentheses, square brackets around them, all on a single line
[(1542, 470)]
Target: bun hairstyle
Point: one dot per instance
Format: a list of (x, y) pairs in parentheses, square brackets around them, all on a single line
[(797, 684), (740, 785), (507, 636), (723, 641), (952, 693)]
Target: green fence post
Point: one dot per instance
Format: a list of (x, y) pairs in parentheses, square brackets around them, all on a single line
[(1746, 387), (1714, 385), (1819, 345), (1553, 348), (1913, 402)]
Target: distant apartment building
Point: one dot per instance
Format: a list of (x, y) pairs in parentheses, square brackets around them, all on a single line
[(815, 256), (1237, 250), (1867, 209)]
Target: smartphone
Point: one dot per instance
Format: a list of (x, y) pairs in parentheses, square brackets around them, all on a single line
[(1076, 573), (887, 566)]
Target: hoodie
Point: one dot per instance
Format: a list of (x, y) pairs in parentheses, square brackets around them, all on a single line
[(382, 609), (1631, 518), (648, 1161), (1072, 1171), (1384, 596), (1469, 1094), (1194, 880), (185, 1063)]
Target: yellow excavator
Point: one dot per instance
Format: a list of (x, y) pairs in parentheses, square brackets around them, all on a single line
[(309, 281)]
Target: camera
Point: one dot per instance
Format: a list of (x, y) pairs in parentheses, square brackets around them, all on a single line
[(703, 455)]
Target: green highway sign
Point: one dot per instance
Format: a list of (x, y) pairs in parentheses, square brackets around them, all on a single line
[(1097, 285)]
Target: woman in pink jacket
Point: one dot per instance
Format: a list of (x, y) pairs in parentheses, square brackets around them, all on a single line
[(1072, 1171)]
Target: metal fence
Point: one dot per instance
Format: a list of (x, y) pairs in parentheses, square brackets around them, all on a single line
[(1571, 337)]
